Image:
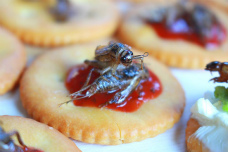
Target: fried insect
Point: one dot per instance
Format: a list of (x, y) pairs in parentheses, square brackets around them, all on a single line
[(221, 68), (110, 56), (114, 63), (61, 10), (7, 144), (126, 81)]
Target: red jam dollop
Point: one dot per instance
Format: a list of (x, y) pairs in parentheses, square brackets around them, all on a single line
[(148, 89), (166, 33)]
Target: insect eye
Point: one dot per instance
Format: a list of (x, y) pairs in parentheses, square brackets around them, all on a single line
[(129, 57), (126, 59), (123, 59), (215, 63)]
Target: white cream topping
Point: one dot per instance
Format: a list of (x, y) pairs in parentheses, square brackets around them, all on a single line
[(214, 125)]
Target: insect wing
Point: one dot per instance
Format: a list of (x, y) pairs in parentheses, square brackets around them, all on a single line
[(102, 50)]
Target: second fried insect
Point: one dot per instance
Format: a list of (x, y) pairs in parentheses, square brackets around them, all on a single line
[(221, 68)]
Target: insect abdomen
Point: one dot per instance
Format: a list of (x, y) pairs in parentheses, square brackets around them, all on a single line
[(104, 85)]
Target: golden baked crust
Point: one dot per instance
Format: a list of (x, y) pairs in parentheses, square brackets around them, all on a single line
[(12, 60), (193, 144), (42, 90), (177, 53), (37, 135), (32, 23)]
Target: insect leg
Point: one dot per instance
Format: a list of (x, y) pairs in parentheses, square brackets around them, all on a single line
[(18, 137), (114, 69), (141, 58), (91, 91), (218, 79), (89, 76), (141, 64), (105, 70), (79, 92), (75, 98)]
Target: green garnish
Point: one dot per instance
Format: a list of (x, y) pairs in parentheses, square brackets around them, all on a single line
[(221, 93)]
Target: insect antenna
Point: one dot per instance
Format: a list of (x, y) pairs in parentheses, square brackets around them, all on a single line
[(141, 58), (65, 102)]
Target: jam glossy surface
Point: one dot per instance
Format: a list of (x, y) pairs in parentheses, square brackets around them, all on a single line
[(147, 90), (184, 34), (181, 30)]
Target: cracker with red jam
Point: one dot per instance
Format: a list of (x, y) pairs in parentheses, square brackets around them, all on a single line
[(36, 137), (12, 60), (185, 35), (43, 91), (59, 22)]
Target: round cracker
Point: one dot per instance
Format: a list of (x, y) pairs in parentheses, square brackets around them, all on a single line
[(42, 90), (37, 135), (12, 60), (31, 22), (193, 143), (177, 53)]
